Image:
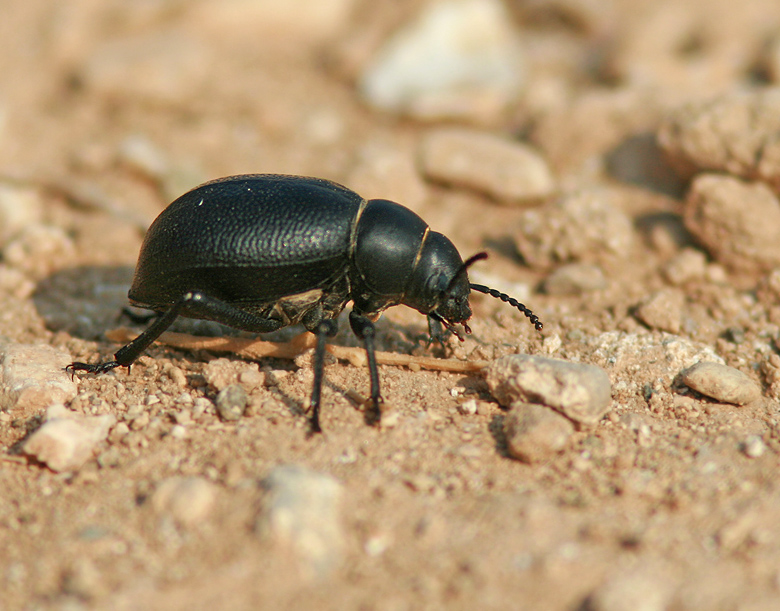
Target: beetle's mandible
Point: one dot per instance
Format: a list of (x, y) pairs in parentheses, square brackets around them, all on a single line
[(262, 251)]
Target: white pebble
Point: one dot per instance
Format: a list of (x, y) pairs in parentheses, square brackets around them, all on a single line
[(457, 56), (754, 446), (67, 440), (302, 513), (33, 376)]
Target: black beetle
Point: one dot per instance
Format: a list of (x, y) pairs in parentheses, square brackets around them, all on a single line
[(259, 252)]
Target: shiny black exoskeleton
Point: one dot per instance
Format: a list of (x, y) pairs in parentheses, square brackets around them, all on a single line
[(260, 252)]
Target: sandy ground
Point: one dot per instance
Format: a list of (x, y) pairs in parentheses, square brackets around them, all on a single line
[(109, 110)]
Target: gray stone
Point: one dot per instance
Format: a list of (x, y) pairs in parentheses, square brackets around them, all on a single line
[(231, 402), (722, 383), (579, 391)]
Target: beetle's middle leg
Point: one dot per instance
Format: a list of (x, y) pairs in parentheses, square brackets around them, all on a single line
[(364, 329)]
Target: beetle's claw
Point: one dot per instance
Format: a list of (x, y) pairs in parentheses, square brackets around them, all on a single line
[(90, 368)]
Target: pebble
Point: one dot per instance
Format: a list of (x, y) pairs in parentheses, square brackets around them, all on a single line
[(19, 207), (220, 373), (302, 514), (662, 310), (644, 587), (734, 134), (722, 383), (689, 264), (458, 58), (580, 391), (535, 433), (581, 226), (231, 402), (575, 279), (508, 171), (66, 441), (735, 221), (33, 376), (187, 500), (140, 154), (754, 446)]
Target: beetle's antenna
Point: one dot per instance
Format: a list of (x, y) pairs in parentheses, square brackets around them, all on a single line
[(464, 268), (480, 288)]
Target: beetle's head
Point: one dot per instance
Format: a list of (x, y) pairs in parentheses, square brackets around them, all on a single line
[(440, 286)]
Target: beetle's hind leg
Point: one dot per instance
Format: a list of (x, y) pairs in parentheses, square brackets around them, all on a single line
[(193, 304), (325, 329), (364, 329)]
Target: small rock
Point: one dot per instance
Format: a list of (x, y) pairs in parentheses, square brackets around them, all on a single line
[(468, 408), (459, 58), (67, 440), (641, 588), (252, 378), (722, 383), (140, 154), (735, 221), (663, 310), (574, 279), (535, 433), (302, 513), (231, 402), (33, 376), (19, 207), (689, 264), (734, 134), (754, 446), (187, 500), (507, 171), (220, 373), (583, 226), (581, 392)]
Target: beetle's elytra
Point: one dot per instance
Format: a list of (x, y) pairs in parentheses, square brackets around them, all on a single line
[(262, 251)]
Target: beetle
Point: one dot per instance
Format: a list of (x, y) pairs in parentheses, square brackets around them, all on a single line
[(259, 252)]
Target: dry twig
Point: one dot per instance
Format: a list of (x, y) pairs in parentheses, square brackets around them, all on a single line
[(256, 349)]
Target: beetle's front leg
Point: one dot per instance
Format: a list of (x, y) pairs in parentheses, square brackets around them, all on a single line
[(364, 329)]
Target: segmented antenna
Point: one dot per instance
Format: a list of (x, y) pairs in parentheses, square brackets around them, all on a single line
[(481, 288)]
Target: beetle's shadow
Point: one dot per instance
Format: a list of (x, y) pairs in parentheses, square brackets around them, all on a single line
[(87, 301)]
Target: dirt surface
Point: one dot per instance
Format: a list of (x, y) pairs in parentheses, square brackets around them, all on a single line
[(111, 109)]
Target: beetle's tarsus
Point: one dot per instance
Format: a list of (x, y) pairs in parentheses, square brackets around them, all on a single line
[(96, 368)]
